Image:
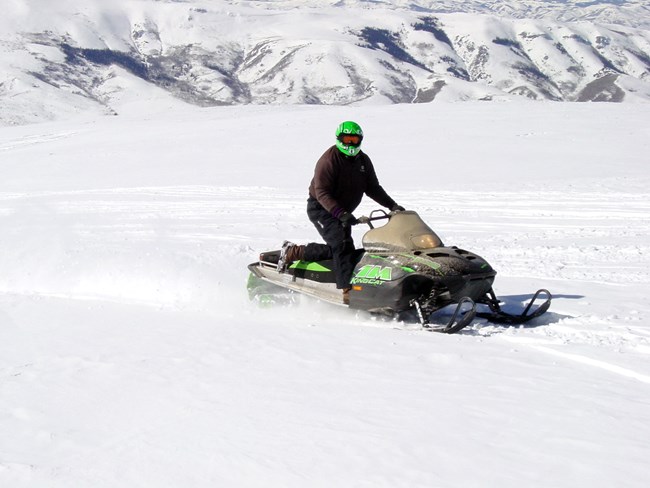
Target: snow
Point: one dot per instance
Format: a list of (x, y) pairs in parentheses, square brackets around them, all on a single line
[(130, 354)]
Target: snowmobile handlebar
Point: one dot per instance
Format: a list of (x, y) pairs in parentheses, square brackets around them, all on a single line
[(372, 218)]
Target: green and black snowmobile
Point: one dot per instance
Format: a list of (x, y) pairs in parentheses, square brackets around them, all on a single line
[(404, 270)]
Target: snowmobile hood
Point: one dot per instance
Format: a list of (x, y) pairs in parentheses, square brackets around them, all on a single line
[(404, 231)]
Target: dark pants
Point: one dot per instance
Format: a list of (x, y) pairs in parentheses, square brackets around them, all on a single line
[(339, 247)]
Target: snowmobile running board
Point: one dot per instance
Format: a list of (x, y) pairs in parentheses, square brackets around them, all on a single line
[(498, 316)]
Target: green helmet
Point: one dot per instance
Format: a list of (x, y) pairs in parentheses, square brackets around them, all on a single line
[(348, 138)]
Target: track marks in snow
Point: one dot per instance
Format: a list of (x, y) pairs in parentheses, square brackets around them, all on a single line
[(593, 359), (34, 139), (601, 344), (612, 368), (593, 237), (171, 246), (177, 243)]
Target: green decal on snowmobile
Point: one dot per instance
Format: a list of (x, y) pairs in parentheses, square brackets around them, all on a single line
[(426, 262), (309, 266), (406, 269), (366, 281), (373, 272)]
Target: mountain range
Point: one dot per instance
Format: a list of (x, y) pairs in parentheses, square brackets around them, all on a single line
[(78, 56)]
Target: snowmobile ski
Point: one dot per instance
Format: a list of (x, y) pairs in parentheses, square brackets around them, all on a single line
[(460, 318), (498, 316)]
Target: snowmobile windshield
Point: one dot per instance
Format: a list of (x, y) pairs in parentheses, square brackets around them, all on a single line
[(405, 231)]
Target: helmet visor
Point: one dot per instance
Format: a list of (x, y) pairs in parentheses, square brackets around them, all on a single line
[(350, 139)]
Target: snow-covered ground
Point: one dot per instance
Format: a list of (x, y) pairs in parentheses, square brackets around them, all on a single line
[(131, 356)]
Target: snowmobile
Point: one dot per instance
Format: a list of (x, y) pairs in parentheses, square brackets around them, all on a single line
[(403, 271)]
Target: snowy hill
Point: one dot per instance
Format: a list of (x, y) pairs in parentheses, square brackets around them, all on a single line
[(130, 355), (69, 57)]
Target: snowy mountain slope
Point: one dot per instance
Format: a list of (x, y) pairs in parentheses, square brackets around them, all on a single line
[(130, 354), (88, 57), (624, 12)]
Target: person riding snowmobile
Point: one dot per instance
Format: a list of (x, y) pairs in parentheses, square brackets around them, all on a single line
[(343, 174)]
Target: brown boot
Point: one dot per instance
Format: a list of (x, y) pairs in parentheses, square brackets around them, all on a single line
[(346, 296), (290, 252)]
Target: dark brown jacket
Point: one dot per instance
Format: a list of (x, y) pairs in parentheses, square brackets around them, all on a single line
[(340, 181)]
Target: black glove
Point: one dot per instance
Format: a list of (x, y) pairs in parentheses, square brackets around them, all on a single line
[(397, 208), (347, 219)]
